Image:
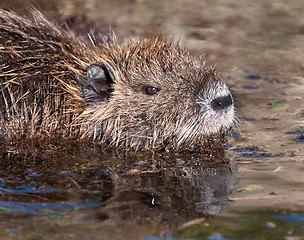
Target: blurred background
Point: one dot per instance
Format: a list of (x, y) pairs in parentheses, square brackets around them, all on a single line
[(230, 32)]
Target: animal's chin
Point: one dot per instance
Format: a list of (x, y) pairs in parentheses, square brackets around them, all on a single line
[(196, 131), (212, 145), (220, 122)]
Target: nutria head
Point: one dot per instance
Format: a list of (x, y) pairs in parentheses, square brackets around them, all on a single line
[(151, 92), (144, 95)]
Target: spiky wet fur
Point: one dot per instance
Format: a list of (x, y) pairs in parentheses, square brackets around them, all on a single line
[(41, 69)]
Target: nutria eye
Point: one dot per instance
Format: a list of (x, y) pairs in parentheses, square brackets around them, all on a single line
[(151, 90)]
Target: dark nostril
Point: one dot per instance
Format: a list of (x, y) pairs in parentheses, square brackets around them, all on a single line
[(220, 103)]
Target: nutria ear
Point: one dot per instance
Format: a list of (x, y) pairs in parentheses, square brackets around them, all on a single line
[(97, 84)]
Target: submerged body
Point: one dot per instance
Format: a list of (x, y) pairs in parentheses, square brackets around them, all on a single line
[(142, 96)]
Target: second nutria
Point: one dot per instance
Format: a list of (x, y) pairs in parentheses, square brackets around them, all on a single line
[(139, 96)]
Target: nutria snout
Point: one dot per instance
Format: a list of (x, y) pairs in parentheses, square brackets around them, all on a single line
[(140, 96), (221, 103)]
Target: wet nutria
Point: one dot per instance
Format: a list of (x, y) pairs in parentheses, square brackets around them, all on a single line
[(140, 96)]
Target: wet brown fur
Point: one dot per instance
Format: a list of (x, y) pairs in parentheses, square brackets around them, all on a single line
[(40, 68)]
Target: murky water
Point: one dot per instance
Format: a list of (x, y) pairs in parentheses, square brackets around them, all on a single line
[(68, 191)]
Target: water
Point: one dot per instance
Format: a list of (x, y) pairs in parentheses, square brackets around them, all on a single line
[(71, 191)]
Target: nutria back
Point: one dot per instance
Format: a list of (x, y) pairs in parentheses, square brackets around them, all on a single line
[(144, 95)]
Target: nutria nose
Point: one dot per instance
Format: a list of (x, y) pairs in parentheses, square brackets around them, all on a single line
[(220, 103)]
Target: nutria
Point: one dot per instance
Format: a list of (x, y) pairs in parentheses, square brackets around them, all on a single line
[(140, 96)]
